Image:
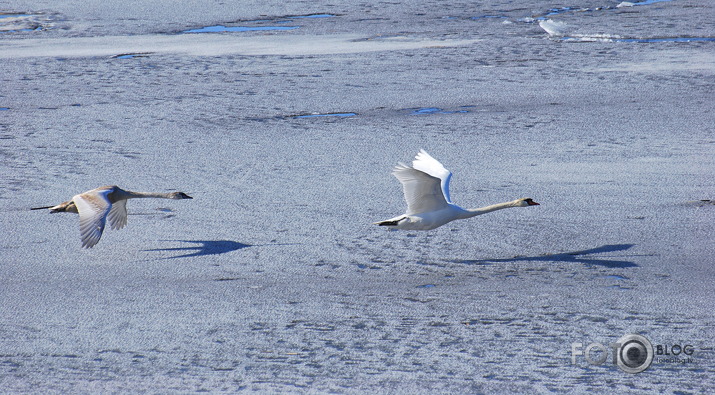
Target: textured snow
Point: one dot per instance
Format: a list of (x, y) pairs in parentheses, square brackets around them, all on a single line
[(273, 277)]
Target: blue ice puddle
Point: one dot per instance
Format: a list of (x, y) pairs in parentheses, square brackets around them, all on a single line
[(333, 114), (4, 108), (131, 55), (14, 15), (436, 110), (426, 286), (665, 40), (289, 19), (608, 38), (221, 29), (311, 16), (29, 29), (646, 2)]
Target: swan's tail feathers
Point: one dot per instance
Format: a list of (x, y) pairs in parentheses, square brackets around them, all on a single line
[(390, 222), (67, 206)]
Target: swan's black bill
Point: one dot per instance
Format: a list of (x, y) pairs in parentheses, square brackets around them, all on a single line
[(531, 202)]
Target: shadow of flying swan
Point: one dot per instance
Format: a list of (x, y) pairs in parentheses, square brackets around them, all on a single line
[(97, 206), (204, 247), (426, 189), (211, 247), (574, 256)]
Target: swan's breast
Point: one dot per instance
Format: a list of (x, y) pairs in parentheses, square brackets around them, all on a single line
[(432, 219)]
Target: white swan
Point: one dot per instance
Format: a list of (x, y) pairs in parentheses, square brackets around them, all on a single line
[(426, 188), (98, 205)]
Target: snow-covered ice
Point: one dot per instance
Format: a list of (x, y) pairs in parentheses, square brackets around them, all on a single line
[(273, 277)]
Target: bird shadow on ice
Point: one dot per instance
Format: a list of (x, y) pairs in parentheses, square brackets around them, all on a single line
[(204, 247), (575, 257)]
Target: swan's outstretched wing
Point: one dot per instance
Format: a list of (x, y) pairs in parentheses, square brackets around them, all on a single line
[(93, 207), (118, 214), (423, 192), (426, 163)]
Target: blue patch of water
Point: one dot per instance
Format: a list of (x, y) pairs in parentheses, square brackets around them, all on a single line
[(221, 28), (639, 40), (435, 110), (4, 108), (665, 40), (282, 20), (2, 16), (14, 15), (335, 114), (427, 110), (131, 55), (647, 2), (426, 286)]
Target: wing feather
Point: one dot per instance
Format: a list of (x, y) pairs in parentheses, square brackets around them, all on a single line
[(93, 207), (426, 163), (423, 192), (118, 214)]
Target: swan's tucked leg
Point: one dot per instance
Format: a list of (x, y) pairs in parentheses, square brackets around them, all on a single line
[(391, 222)]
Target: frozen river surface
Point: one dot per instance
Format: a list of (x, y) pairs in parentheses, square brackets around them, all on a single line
[(283, 121)]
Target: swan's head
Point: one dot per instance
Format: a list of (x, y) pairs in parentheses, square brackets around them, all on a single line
[(525, 202), (179, 195)]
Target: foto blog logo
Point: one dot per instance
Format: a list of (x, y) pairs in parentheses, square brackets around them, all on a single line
[(631, 353)]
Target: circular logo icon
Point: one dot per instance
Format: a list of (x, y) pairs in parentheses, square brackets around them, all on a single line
[(635, 354)]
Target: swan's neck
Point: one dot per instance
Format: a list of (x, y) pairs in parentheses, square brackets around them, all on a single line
[(120, 194), (148, 195), (473, 212)]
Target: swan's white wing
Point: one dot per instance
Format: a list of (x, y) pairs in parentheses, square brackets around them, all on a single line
[(93, 207), (423, 192), (118, 214), (426, 163)]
